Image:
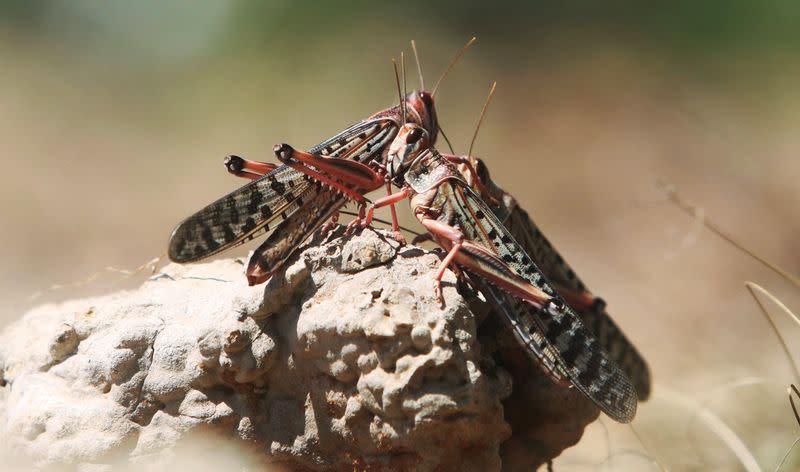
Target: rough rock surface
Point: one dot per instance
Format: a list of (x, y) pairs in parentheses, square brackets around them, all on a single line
[(342, 361)]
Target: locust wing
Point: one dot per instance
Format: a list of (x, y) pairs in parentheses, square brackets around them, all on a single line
[(573, 346), (259, 206), (609, 335)]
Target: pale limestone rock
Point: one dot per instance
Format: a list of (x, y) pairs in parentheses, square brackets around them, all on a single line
[(342, 361)]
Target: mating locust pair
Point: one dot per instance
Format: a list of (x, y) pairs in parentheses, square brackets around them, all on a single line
[(489, 240)]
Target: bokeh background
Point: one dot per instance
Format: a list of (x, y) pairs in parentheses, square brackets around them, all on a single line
[(115, 117)]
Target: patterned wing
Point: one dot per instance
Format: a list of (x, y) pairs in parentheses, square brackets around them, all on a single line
[(576, 349), (238, 217), (286, 238), (250, 211), (512, 309), (610, 337)]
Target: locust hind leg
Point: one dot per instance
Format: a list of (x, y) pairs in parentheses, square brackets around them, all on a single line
[(351, 178), (478, 260)]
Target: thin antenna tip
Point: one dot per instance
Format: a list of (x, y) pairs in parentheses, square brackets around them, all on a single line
[(452, 63)]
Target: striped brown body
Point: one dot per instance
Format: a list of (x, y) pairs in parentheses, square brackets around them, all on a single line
[(610, 337), (269, 203), (552, 332)]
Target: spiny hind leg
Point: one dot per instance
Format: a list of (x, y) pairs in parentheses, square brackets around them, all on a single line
[(351, 178)]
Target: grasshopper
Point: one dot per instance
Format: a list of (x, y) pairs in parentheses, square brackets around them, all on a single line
[(478, 243), (591, 309), (294, 204)]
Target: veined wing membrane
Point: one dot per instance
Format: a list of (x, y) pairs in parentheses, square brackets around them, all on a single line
[(576, 349), (248, 212), (558, 271)]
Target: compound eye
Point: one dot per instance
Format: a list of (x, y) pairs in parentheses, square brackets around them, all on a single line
[(414, 135), (426, 99)]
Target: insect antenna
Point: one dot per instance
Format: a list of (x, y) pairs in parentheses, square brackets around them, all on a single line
[(419, 67), (405, 92), (447, 140), (399, 91), (452, 63), (478, 127)]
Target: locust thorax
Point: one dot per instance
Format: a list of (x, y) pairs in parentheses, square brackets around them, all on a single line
[(409, 144), (421, 110)]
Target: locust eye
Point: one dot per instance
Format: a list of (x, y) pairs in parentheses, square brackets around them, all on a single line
[(414, 135), (426, 99)]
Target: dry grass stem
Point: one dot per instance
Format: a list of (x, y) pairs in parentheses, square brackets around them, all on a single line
[(674, 197), (752, 288)]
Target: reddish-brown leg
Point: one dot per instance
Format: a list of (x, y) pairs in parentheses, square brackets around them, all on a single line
[(390, 199), (247, 169), (480, 261), (336, 172), (398, 236)]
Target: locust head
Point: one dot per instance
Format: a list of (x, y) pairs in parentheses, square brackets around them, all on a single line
[(422, 111), (408, 145)]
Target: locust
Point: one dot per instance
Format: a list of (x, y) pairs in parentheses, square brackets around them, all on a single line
[(479, 244), (590, 308), (292, 204)]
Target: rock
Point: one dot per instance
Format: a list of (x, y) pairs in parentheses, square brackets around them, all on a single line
[(342, 361)]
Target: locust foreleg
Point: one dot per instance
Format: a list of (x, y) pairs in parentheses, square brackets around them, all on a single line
[(390, 199)]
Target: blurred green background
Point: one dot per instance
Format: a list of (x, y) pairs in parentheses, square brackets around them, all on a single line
[(115, 117)]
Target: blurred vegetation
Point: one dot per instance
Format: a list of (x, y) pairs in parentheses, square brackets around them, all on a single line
[(680, 28), (116, 114)]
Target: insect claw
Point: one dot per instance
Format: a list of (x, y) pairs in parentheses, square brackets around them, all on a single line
[(437, 291), (398, 236)]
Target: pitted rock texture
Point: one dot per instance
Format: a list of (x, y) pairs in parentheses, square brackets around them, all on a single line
[(342, 361)]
